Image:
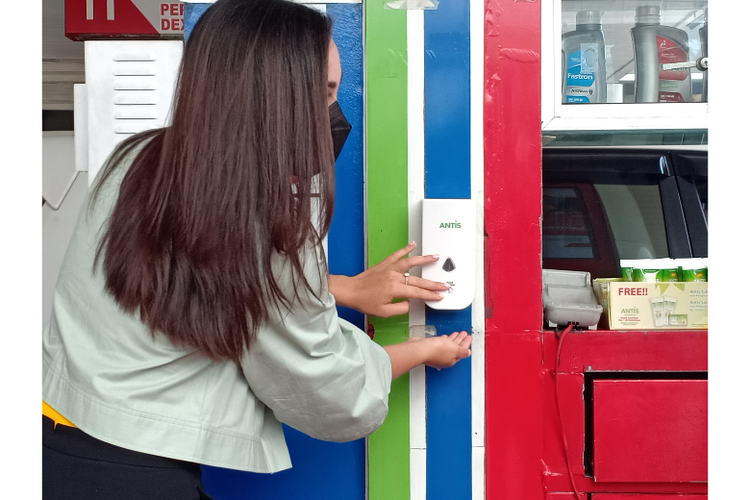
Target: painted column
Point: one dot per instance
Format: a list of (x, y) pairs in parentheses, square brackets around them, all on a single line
[(447, 73), (387, 224), (419, 145), (513, 179)]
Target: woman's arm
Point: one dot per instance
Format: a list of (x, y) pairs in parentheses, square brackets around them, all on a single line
[(373, 291), (438, 352), (321, 374)]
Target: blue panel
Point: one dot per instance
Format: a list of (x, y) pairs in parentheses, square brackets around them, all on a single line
[(346, 241), (193, 11), (448, 175), (447, 103), (448, 395), (321, 470)]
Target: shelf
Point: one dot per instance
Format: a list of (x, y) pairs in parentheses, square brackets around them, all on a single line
[(617, 18)]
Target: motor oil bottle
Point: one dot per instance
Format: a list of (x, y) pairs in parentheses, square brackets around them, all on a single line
[(655, 45), (583, 61)]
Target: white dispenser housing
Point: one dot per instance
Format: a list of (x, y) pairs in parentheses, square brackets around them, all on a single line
[(449, 230)]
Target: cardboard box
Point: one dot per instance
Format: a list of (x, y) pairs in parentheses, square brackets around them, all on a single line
[(658, 306)]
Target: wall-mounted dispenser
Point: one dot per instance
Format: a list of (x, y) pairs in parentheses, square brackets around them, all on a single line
[(449, 230)]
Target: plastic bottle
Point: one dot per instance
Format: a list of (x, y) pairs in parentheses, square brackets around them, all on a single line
[(653, 46), (584, 60), (703, 32)]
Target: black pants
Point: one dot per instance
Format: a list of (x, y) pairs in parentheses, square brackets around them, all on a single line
[(75, 466)]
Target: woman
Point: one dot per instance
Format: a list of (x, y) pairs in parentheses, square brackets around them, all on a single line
[(194, 312)]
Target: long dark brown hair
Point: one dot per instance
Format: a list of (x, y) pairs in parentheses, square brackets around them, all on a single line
[(212, 197)]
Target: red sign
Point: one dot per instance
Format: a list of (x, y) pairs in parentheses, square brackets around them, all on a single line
[(102, 19)]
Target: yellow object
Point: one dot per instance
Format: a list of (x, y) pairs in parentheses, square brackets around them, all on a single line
[(658, 306), (50, 412)]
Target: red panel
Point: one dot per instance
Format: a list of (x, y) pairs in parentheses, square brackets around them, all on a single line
[(514, 416), (604, 350), (555, 475), (513, 165), (108, 19), (650, 430), (564, 446), (513, 273), (646, 496), (559, 495), (525, 458)]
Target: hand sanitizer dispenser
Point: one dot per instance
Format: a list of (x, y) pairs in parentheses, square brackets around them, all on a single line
[(449, 230)]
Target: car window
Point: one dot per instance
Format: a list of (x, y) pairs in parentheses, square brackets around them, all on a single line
[(567, 232), (631, 214), (601, 205), (590, 227), (636, 219)]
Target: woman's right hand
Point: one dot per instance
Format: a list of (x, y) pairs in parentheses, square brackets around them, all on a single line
[(438, 352), (445, 351)]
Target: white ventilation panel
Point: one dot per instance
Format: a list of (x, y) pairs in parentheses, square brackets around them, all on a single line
[(129, 89)]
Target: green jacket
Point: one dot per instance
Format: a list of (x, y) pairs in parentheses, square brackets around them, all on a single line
[(106, 373)]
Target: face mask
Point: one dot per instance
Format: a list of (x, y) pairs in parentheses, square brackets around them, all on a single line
[(340, 128)]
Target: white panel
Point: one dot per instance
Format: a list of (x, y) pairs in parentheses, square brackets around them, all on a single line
[(477, 473), (129, 98), (417, 408), (476, 22), (477, 378), (551, 63), (418, 469), (415, 124), (134, 70), (130, 84)]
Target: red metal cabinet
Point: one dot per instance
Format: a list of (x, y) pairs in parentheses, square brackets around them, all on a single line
[(646, 496), (650, 430), (624, 413), (558, 495)]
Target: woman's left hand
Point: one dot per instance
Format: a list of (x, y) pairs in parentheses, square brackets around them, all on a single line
[(373, 291)]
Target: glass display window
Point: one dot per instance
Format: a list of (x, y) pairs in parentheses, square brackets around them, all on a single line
[(624, 64)]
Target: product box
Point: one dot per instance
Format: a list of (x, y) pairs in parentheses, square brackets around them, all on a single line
[(658, 306)]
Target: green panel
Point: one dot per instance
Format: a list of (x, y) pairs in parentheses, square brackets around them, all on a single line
[(387, 224)]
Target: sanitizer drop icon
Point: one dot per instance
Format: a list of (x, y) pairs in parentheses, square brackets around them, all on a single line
[(449, 265)]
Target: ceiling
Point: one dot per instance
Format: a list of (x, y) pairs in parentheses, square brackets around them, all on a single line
[(62, 59)]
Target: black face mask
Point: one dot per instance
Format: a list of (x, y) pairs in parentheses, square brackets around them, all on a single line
[(340, 128)]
